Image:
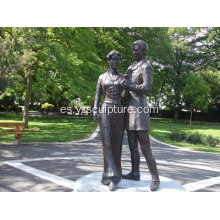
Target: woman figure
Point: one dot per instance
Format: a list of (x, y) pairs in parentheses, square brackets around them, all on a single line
[(112, 119)]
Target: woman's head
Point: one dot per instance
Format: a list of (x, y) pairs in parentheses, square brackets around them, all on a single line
[(113, 52), (114, 59)]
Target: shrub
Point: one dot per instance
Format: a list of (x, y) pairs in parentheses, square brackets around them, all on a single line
[(17, 109), (47, 107), (7, 101), (212, 141), (178, 135), (196, 138), (74, 108), (2, 108)]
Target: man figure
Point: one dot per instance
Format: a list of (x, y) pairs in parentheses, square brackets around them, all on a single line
[(138, 85)]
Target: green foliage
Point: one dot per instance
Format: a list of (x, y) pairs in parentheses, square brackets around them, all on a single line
[(47, 107), (212, 78), (207, 45), (184, 59), (78, 105), (65, 62), (196, 93), (178, 135), (194, 138), (212, 141), (7, 98), (7, 101), (161, 129)]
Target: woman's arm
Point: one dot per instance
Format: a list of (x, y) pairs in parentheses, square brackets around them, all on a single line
[(97, 98)]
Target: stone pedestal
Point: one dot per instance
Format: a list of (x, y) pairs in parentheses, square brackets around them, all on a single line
[(92, 183)]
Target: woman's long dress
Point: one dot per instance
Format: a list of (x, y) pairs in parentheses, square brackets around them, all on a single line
[(112, 125)]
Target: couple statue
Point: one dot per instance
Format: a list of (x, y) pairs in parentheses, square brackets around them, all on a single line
[(120, 91)]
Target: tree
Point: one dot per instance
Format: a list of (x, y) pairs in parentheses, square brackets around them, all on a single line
[(121, 39), (28, 41), (57, 65), (207, 45), (196, 94), (20, 45), (212, 78), (184, 60)]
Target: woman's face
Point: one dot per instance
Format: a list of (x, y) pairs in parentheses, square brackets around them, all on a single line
[(114, 61)]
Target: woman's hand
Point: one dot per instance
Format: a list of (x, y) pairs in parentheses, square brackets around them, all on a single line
[(95, 115)]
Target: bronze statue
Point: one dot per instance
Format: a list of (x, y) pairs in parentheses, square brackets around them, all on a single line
[(112, 124), (138, 84)]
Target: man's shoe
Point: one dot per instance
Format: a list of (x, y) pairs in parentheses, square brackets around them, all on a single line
[(155, 185), (131, 176)]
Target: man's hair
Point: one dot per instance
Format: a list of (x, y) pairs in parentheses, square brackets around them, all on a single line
[(142, 44), (113, 52)]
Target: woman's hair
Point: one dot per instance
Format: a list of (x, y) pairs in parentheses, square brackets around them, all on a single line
[(113, 52)]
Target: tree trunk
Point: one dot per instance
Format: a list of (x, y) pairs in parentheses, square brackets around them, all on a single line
[(176, 105), (27, 99), (190, 123), (177, 114)]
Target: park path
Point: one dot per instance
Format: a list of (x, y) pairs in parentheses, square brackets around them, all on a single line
[(56, 166)]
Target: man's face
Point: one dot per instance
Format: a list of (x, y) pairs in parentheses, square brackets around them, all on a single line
[(138, 52)]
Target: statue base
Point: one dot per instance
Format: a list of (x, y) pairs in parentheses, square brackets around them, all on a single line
[(92, 183)]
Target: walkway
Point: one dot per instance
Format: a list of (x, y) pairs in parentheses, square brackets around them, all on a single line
[(56, 166)]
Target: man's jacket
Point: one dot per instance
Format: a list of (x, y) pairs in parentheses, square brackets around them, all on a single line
[(139, 85)]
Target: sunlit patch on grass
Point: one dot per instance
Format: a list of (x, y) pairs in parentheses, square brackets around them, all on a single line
[(51, 129)]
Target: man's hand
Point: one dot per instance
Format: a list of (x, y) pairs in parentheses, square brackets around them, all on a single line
[(124, 84)]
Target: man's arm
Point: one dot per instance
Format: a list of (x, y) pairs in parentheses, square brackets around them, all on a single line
[(146, 86)]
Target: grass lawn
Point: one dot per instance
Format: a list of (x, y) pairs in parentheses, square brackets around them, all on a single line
[(161, 129), (49, 128), (62, 129)]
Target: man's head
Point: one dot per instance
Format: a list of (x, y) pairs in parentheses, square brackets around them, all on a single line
[(140, 49)]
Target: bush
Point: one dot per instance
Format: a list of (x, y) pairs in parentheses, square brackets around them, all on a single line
[(212, 141), (194, 138), (17, 109), (47, 107), (7, 101), (2, 108), (178, 135)]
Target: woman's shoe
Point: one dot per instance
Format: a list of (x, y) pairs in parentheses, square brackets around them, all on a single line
[(112, 186)]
